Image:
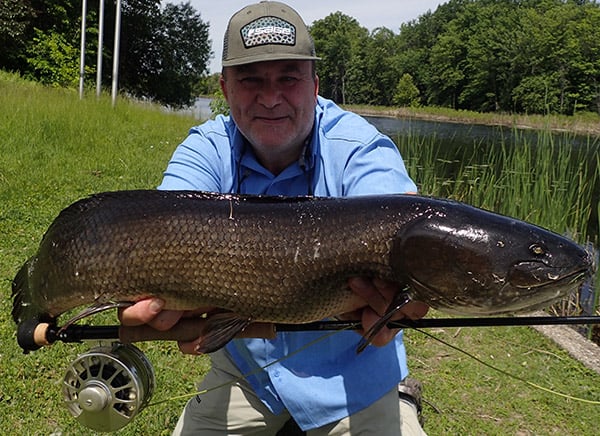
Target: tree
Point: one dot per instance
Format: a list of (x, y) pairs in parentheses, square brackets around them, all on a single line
[(336, 38), (163, 54), (15, 17), (54, 61), (184, 51), (523, 55), (373, 73), (407, 94)]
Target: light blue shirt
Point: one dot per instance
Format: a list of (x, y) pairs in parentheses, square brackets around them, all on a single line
[(318, 379)]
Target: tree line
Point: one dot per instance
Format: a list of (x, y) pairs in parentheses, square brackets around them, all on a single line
[(519, 56), (164, 50), (523, 56)]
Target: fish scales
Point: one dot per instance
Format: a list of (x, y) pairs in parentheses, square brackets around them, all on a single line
[(282, 259), (278, 260)]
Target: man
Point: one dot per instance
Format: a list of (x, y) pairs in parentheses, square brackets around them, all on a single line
[(282, 139)]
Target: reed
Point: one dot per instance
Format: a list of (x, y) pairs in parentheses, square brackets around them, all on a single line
[(548, 182)]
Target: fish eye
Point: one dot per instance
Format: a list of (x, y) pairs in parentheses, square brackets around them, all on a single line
[(537, 249)]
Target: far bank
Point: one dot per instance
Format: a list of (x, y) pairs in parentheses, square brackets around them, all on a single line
[(583, 124)]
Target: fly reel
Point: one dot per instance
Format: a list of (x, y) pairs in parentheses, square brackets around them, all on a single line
[(105, 388)]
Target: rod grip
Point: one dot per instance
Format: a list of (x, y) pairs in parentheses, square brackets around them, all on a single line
[(188, 330)]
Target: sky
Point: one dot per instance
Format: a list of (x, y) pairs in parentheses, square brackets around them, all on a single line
[(369, 13)]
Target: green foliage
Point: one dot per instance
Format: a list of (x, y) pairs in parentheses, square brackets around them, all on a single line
[(184, 52), (218, 104), (337, 37), (537, 94), (534, 56), (407, 94), (14, 19), (164, 52), (538, 56), (208, 84), (54, 61)]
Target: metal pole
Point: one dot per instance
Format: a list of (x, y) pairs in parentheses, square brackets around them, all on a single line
[(100, 41), (115, 73), (82, 49)]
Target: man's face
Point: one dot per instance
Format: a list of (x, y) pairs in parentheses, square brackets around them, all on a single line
[(273, 105)]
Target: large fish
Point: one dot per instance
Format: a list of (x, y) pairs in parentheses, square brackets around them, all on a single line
[(287, 260)]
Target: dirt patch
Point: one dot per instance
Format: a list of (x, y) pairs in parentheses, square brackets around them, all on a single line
[(587, 352)]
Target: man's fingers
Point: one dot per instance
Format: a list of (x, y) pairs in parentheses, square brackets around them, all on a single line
[(149, 312), (383, 336), (365, 289), (415, 310), (141, 312)]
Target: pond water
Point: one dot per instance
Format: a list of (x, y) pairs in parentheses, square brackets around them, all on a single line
[(455, 134)]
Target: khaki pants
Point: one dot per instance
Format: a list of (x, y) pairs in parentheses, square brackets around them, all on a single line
[(234, 409)]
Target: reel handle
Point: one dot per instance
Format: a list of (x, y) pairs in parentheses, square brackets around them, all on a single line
[(187, 330)]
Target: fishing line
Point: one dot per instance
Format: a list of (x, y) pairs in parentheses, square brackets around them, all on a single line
[(506, 373), (349, 327), (256, 371)]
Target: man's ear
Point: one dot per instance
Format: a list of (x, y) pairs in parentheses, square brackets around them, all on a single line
[(223, 86)]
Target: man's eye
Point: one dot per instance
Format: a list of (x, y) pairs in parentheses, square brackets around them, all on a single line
[(249, 80)]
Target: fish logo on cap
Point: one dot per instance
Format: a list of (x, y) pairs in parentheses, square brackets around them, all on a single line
[(268, 30)]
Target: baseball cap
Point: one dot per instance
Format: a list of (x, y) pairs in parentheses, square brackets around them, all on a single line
[(266, 31)]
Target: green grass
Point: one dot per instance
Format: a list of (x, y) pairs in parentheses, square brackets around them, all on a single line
[(56, 149)]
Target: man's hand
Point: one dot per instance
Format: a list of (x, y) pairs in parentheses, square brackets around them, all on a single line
[(378, 295), (150, 311)]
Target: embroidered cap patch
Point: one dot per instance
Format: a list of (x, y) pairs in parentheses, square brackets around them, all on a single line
[(268, 30)]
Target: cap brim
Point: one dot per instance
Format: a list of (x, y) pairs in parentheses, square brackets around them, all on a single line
[(267, 57)]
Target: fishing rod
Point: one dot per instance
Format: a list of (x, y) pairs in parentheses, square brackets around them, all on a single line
[(189, 329)]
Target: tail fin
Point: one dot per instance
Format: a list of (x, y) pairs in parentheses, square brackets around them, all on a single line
[(23, 305)]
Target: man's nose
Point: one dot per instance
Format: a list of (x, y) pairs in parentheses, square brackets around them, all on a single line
[(269, 95)]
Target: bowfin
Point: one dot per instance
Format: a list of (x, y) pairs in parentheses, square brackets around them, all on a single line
[(219, 329)]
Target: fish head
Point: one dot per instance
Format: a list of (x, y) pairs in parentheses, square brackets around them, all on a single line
[(475, 262)]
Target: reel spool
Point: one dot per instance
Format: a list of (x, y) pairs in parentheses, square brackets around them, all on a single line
[(105, 388)]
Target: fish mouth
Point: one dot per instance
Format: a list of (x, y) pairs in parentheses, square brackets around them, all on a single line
[(527, 286), (535, 275)]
